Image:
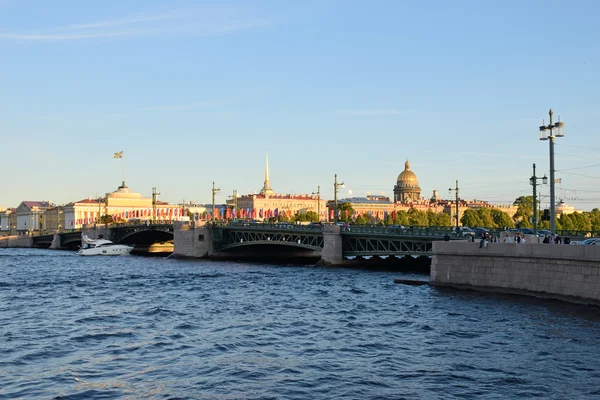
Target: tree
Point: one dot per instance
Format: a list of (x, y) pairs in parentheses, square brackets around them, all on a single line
[(106, 219), (417, 217), (401, 218), (306, 216), (524, 211), (594, 217), (501, 219), (345, 211), (471, 218)]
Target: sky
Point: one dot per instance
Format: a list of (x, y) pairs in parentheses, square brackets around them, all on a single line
[(196, 92)]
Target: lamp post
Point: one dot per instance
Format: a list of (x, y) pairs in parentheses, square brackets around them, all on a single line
[(318, 193), (214, 190), (533, 181), (456, 214), (335, 190), (549, 132), (155, 195)]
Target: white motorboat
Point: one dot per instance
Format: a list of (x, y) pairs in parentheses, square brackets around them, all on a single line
[(102, 247)]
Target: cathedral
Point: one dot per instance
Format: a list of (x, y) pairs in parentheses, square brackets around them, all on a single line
[(407, 187)]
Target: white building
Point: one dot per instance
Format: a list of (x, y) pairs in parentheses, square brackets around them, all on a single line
[(30, 216)]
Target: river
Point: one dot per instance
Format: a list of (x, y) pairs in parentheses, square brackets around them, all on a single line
[(143, 328)]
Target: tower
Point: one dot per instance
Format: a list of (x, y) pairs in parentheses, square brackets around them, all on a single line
[(266, 190)]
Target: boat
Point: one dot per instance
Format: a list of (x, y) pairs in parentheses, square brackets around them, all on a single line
[(102, 247)]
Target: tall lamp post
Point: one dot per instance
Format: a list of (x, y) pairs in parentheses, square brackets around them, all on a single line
[(549, 132), (318, 193), (456, 215), (336, 185), (533, 181), (214, 190)]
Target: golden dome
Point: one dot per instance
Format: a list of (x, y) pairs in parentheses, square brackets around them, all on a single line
[(407, 176)]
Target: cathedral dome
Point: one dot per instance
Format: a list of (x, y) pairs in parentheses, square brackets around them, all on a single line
[(407, 177)]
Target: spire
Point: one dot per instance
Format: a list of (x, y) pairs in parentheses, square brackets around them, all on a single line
[(267, 186)]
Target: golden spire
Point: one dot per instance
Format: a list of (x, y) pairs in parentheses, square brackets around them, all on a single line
[(267, 186)]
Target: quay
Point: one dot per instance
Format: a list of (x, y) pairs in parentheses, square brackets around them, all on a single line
[(564, 272)]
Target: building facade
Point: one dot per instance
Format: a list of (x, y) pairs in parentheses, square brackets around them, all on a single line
[(407, 188), (30, 217)]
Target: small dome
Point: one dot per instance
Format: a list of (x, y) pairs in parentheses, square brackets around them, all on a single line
[(407, 176)]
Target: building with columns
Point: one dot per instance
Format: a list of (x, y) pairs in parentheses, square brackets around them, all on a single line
[(30, 217), (122, 205), (407, 187), (269, 204)]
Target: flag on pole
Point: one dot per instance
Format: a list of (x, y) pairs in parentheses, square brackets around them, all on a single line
[(118, 155)]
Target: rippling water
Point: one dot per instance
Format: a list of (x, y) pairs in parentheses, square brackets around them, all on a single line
[(131, 327)]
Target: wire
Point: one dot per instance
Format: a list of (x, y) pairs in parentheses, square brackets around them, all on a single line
[(569, 169), (577, 155), (584, 176), (576, 147)]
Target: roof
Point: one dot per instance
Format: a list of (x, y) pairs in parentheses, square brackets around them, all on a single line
[(366, 200), (38, 204), (87, 201)]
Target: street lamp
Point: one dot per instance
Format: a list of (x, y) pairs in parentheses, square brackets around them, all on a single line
[(318, 203), (214, 190), (549, 132), (335, 190), (456, 215), (533, 181)]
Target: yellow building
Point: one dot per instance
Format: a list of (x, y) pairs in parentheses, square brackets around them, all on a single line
[(122, 205), (268, 204)]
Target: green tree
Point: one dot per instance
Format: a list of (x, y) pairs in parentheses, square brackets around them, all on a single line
[(363, 219), (417, 217), (401, 218), (471, 218), (106, 219), (594, 217), (344, 209), (501, 219), (389, 220), (306, 216), (441, 219), (524, 211)]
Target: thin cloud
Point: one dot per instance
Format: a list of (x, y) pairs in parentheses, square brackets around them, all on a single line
[(175, 107), (370, 112), (199, 21)]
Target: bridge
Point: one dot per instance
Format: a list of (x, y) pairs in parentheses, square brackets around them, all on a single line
[(140, 235), (330, 243), (245, 240)]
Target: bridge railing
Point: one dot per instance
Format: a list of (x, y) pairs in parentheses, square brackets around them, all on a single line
[(282, 227), (436, 231)]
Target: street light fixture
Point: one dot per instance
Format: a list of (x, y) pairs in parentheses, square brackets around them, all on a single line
[(318, 203), (214, 190), (549, 132), (533, 181), (335, 190)]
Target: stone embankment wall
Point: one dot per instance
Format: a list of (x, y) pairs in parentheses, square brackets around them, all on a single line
[(191, 241), (16, 241), (568, 272)]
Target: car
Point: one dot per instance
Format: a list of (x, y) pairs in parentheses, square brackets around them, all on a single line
[(526, 231), (591, 242), (479, 232), (464, 231), (284, 225), (543, 232)]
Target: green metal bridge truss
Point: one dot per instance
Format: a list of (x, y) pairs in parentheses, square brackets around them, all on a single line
[(225, 238)]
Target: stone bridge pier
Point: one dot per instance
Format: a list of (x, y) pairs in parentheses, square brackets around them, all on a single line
[(192, 240)]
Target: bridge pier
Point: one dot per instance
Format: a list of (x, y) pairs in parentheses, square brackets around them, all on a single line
[(192, 240), (332, 253), (55, 241), (97, 231)]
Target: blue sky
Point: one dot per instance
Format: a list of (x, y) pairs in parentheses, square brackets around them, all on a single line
[(195, 92)]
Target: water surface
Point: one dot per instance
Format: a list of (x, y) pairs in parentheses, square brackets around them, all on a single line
[(132, 327)]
